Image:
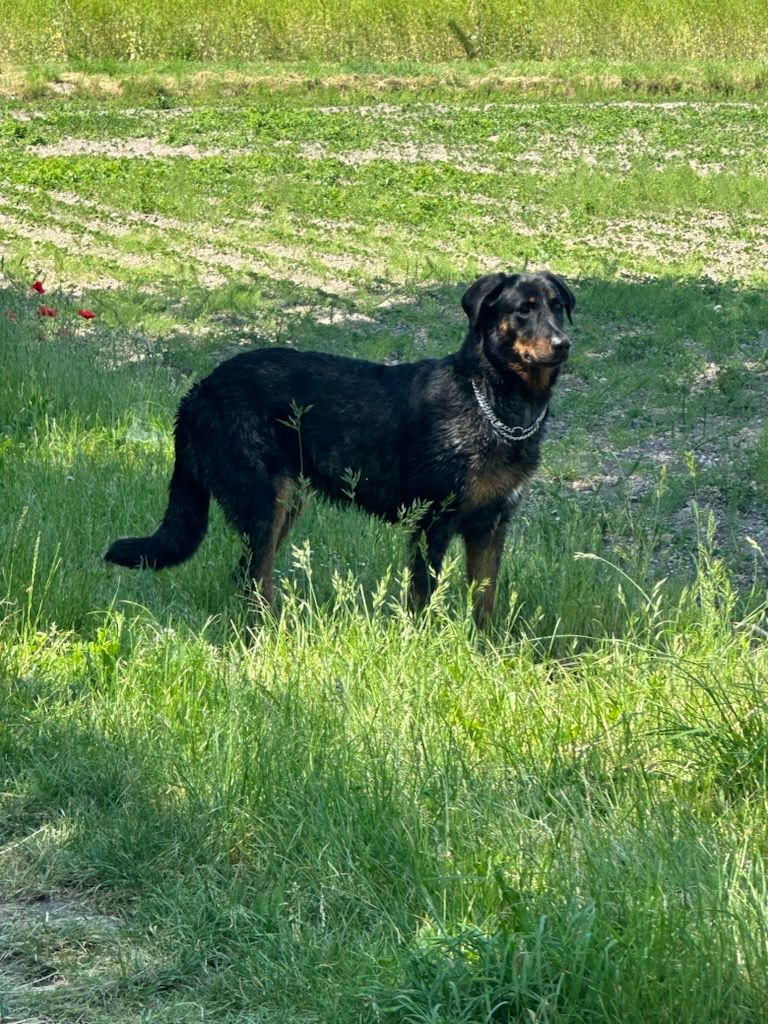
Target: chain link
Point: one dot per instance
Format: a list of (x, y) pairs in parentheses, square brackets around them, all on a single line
[(509, 433)]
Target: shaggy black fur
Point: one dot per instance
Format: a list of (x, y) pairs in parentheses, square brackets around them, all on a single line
[(386, 437)]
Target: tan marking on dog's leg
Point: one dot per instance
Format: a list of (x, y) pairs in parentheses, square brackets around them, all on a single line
[(483, 559), (263, 565), (294, 506)]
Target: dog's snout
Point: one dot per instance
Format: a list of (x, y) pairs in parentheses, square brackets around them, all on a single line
[(561, 343)]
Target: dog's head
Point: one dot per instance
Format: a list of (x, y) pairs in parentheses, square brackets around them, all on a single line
[(516, 323)]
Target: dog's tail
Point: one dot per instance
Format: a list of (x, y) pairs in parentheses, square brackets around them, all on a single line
[(185, 521)]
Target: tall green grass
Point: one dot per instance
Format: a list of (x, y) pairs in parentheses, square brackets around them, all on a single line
[(395, 29), (346, 814)]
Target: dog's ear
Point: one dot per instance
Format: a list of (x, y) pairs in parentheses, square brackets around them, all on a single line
[(564, 293), (484, 290)]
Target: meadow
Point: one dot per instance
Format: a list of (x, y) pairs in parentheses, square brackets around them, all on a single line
[(344, 814), (419, 30)]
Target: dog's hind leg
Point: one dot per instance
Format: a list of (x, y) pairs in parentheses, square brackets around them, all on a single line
[(294, 506), (260, 516)]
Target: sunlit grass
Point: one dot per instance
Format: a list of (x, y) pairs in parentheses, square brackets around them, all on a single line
[(343, 814), (449, 30)]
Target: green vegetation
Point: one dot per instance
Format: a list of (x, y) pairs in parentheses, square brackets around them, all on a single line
[(345, 815), (161, 83), (414, 29)]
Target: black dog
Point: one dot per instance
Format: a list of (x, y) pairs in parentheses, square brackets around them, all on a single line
[(455, 438)]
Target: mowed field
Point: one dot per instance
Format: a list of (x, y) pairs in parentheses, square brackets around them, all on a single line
[(344, 814)]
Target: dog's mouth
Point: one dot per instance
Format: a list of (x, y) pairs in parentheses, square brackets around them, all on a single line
[(530, 359), (540, 351)]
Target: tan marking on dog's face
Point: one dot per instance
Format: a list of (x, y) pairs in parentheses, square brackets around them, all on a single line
[(526, 350), (534, 350), (530, 359)]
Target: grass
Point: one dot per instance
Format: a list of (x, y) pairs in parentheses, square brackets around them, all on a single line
[(422, 31), (165, 82), (345, 815)]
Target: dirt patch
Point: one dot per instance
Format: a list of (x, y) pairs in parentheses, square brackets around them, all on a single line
[(69, 82), (134, 149), (146, 148), (713, 239), (402, 153), (711, 456)]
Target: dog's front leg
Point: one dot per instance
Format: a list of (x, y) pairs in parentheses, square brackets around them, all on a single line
[(483, 558), (428, 547)]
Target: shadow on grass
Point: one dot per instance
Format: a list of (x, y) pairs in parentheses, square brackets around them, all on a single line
[(267, 847)]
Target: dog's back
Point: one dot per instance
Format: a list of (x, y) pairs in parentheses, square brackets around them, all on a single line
[(352, 428)]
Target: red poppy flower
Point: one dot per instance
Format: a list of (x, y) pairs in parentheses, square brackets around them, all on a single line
[(38, 287), (86, 314), (47, 311), (10, 316)]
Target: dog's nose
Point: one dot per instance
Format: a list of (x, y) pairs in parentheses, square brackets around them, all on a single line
[(560, 343)]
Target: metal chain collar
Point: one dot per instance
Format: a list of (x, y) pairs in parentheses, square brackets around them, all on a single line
[(508, 433)]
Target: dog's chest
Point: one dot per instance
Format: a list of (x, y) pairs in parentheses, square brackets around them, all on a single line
[(491, 482)]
